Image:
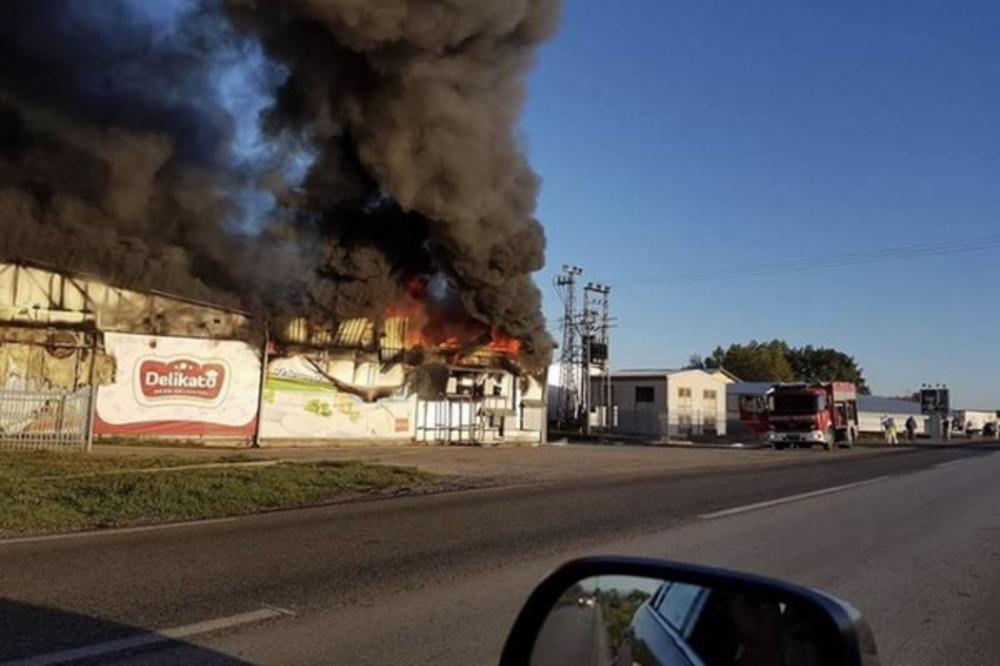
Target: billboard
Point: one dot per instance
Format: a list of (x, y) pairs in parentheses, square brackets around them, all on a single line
[(934, 401), (304, 400), (187, 387)]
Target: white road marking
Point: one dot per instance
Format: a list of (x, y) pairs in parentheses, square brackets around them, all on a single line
[(120, 530), (153, 638), (790, 498), (949, 463)]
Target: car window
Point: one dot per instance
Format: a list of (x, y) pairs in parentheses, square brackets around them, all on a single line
[(658, 595), (676, 603)]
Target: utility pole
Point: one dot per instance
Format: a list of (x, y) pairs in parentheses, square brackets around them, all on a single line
[(569, 401), (609, 420), (596, 325), (585, 344)]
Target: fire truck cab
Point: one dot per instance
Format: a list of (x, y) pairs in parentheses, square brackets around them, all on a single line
[(807, 414)]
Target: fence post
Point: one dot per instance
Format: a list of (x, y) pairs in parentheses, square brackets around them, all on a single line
[(61, 415), (264, 355), (92, 397)]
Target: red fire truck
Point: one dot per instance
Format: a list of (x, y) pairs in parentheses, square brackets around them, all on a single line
[(753, 413), (808, 414)]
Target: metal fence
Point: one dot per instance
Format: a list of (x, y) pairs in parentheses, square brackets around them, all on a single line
[(659, 424), (44, 419)]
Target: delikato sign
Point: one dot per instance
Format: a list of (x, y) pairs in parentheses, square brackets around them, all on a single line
[(181, 379), (178, 387)]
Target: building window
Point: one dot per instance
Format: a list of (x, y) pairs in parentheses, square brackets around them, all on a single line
[(708, 394), (685, 424), (684, 398), (645, 394)]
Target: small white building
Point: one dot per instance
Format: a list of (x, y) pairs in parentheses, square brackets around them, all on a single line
[(972, 421), (667, 403)]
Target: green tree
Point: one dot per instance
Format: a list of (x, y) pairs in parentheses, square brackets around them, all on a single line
[(757, 361), (776, 361), (822, 364)]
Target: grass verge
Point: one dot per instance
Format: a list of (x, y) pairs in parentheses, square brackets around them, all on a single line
[(44, 492)]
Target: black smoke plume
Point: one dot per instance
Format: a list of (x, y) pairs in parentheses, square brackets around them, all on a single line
[(385, 148)]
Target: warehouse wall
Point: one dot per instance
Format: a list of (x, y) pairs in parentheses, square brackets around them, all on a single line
[(35, 295), (640, 417), (310, 398), (652, 405), (696, 404)]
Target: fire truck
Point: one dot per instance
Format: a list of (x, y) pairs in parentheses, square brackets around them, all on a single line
[(809, 414)]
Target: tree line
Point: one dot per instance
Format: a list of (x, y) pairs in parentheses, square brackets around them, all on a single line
[(777, 361)]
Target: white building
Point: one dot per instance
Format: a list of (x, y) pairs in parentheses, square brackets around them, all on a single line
[(667, 403), (972, 421)]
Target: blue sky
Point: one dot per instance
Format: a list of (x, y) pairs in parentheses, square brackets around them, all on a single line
[(687, 136)]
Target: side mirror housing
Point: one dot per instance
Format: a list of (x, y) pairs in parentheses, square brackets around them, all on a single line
[(629, 611)]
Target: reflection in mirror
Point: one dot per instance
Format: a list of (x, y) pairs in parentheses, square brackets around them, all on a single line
[(627, 621)]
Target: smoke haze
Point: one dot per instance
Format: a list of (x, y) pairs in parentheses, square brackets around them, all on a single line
[(302, 157)]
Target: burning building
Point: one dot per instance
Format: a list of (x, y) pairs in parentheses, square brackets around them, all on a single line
[(417, 373), (80, 357)]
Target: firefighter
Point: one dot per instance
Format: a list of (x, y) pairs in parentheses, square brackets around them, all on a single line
[(911, 429), (889, 426)]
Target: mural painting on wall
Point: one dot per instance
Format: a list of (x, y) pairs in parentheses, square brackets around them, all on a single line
[(304, 400), (167, 386)]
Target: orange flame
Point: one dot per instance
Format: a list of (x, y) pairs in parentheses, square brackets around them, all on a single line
[(503, 344), (436, 329)]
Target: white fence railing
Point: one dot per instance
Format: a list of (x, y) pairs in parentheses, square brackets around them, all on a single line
[(44, 419)]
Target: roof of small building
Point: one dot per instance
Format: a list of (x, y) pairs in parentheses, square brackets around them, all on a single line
[(749, 388), (654, 372), (886, 405), (725, 372)]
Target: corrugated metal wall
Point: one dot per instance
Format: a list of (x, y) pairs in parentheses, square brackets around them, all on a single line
[(38, 296)]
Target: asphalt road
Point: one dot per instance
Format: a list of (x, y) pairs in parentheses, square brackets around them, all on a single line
[(438, 579), (573, 636)]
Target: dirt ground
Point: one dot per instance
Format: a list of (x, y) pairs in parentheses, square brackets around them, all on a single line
[(488, 466)]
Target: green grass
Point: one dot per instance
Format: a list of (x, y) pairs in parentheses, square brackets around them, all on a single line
[(31, 501), (18, 465)]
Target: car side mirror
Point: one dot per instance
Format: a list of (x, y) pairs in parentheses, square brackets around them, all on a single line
[(625, 611)]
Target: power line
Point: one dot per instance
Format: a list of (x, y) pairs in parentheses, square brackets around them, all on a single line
[(897, 253)]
